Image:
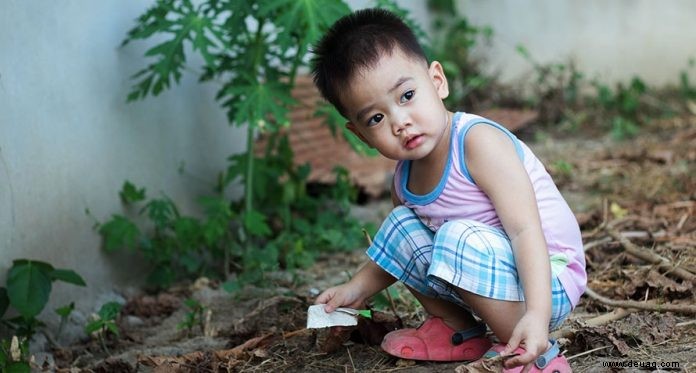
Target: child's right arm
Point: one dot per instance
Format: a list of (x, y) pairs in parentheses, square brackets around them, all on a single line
[(369, 280)]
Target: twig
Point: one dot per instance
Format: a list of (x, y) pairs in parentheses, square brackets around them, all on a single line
[(648, 306), (614, 315), (295, 332), (586, 352), (351, 358), (650, 257), (389, 297)]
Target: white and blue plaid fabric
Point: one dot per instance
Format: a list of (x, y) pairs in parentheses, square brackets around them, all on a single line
[(463, 253)]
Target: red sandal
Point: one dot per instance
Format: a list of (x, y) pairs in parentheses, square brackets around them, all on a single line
[(435, 341), (550, 362)]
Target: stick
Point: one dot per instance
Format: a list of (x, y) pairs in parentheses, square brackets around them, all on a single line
[(391, 301), (650, 257), (569, 358), (648, 306), (614, 315)]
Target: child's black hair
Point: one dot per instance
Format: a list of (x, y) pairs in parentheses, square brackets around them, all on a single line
[(356, 42)]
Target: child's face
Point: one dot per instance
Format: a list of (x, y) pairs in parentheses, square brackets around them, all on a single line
[(396, 107)]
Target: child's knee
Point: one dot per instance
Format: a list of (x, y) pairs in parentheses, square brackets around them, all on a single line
[(402, 211)]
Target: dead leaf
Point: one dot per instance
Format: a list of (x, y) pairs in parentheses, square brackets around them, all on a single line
[(332, 339), (372, 331), (402, 363), (492, 365)]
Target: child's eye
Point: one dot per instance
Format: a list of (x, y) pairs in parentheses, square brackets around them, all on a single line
[(408, 96), (375, 119)]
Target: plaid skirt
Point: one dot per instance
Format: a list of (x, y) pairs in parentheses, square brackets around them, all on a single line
[(462, 253)]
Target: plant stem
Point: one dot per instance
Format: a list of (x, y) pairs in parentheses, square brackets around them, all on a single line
[(249, 179)]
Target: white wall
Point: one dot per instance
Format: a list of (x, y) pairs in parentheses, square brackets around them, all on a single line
[(68, 139), (611, 40)]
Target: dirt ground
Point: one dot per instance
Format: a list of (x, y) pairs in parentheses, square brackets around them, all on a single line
[(636, 204)]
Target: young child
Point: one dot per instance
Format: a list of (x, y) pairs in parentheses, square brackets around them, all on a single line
[(479, 226)]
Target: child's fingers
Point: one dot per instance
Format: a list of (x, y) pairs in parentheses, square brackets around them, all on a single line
[(324, 297), (512, 344)]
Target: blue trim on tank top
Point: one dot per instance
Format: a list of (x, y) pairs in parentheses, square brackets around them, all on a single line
[(469, 125), (424, 199)]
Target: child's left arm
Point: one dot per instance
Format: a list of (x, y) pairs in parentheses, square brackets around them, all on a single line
[(498, 170)]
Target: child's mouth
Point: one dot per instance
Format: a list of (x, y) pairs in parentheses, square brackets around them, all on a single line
[(414, 142)]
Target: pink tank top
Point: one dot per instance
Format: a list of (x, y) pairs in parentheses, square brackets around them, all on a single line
[(458, 197)]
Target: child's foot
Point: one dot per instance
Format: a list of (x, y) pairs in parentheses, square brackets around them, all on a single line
[(550, 362), (436, 341)]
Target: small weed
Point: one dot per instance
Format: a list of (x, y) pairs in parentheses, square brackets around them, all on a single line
[(195, 316), (622, 105), (687, 90), (104, 322), (64, 313)]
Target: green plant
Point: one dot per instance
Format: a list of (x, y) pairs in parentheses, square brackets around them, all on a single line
[(688, 91), (290, 225), (557, 88), (253, 49), (177, 246), (454, 39), (193, 317), (64, 313), (14, 355), (622, 106), (104, 322), (28, 287)]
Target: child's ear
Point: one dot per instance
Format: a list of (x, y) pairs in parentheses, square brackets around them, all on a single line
[(437, 75), (353, 128)]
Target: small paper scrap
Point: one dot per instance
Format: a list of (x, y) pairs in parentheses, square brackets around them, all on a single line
[(318, 318)]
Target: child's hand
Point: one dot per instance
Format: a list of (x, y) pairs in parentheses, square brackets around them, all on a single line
[(345, 295), (532, 331)]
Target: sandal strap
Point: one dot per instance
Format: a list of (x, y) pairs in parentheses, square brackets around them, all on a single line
[(542, 361), (461, 336)]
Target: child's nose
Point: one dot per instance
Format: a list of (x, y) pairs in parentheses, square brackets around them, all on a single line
[(399, 123)]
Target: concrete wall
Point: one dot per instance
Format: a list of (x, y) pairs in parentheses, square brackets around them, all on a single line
[(611, 40), (68, 139)]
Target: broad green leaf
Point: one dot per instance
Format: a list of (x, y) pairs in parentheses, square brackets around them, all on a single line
[(130, 193), (118, 233), (42, 266), (112, 328), (93, 326), (28, 288), (68, 276), (110, 310)]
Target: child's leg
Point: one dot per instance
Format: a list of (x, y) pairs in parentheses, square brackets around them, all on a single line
[(478, 260), (403, 248)]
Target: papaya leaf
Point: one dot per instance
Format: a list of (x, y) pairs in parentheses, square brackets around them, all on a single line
[(119, 232), (130, 193)]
